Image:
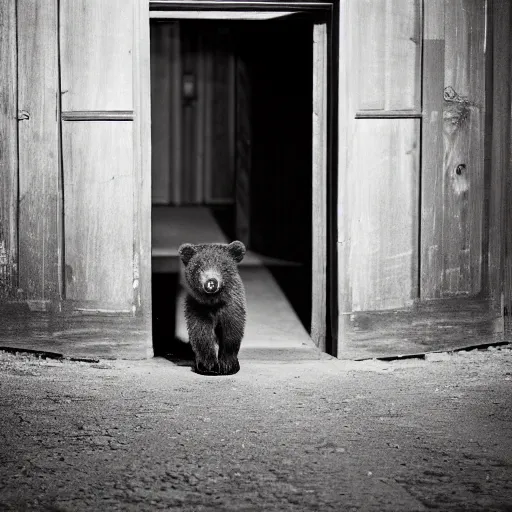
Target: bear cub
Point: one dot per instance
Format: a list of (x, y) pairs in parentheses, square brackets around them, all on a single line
[(215, 307)]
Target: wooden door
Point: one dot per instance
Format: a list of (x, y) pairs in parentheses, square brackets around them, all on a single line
[(97, 153), (83, 201), (415, 262)]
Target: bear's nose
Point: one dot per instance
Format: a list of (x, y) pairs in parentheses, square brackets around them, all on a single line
[(211, 286)]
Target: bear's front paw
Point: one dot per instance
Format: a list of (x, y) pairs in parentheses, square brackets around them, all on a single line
[(207, 368), (229, 365)]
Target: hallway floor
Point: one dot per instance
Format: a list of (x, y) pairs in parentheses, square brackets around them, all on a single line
[(274, 331), (329, 435)]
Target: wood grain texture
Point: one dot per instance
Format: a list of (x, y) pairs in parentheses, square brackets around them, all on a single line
[(403, 22), (8, 151), (453, 216), (319, 184), (142, 276), (432, 166), (500, 193), (39, 212), (98, 115), (96, 54), (371, 53), (240, 5), (347, 107), (444, 324), (383, 184), (218, 15), (463, 205), (75, 335), (99, 212), (388, 75)]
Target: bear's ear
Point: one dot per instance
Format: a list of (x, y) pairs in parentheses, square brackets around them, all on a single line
[(237, 250), (186, 251)]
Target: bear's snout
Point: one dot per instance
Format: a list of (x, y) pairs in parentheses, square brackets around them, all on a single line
[(210, 281), (211, 285)]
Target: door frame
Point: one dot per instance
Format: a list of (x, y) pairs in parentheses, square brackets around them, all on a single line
[(324, 312)]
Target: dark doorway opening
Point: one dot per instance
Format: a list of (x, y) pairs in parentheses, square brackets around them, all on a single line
[(232, 143)]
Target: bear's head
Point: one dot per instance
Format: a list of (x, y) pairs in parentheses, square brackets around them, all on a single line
[(211, 269)]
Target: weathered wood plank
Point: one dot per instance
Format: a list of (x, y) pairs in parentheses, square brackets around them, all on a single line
[(73, 335), (93, 76), (369, 19), (447, 324), (8, 151), (500, 179), (97, 115), (218, 15), (462, 206), (389, 70), (142, 276), (319, 184), (347, 107), (99, 211), (383, 184), (453, 190), (39, 212), (403, 57), (432, 167)]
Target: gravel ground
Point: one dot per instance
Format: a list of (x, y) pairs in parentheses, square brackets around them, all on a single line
[(406, 435)]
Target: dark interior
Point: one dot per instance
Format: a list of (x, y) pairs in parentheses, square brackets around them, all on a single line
[(277, 57)]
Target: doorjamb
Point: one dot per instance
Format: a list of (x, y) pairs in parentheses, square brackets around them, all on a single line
[(324, 322)]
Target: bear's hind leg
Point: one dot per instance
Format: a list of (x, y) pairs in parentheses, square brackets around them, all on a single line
[(203, 342)]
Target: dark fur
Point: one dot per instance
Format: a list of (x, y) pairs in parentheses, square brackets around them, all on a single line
[(217, 319)]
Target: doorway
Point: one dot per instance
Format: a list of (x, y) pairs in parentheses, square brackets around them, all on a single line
[(233, 158)]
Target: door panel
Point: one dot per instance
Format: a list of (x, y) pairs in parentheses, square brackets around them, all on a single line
[(82, 201), (389, 60), (101, 269), (383, 202), (96, 54), (38, 140), (8, 151), (98, 212), (414, 242), (453, 175)]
